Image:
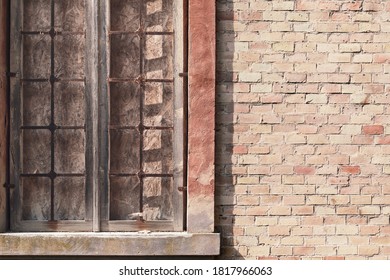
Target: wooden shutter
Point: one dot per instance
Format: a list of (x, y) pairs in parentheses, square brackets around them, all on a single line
[(145, 122), (97, 115), (48, 116)]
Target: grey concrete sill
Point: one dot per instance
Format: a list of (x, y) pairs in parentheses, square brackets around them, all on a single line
[(109, 244)]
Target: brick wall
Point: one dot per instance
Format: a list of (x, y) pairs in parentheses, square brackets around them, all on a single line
[(303, 129)]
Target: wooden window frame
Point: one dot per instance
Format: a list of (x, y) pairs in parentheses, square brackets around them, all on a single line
[(98, 46), (199, 237)]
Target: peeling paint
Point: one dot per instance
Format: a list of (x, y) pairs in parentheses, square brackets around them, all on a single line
[(201, 121)]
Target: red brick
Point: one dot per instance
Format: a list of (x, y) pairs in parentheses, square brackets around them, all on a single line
[(362, 139), (302, 210), (306, 251), (304, 170), (279, 230), (373, 129), (334, 258), (354, 6), (347, 210), (328, 5), (372, 6), (240, 149), (305, 5), (381, 58), (295, 78), (383, 140), (369, 230), (350, 169)]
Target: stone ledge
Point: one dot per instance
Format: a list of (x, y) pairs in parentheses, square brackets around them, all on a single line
[(109, 244)]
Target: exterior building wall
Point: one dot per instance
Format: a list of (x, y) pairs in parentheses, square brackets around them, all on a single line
[(303, 129), (199, 238)]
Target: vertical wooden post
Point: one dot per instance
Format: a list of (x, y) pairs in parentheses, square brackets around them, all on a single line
[(179, 94), (3, 113), (92, 93)]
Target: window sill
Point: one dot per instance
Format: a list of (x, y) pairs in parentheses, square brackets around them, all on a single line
[(109, 244)]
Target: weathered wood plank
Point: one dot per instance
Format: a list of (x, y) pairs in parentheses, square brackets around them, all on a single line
[(179, 11), (15, 117), (3, 114), (104, 90), (124, 197), (92, 98)]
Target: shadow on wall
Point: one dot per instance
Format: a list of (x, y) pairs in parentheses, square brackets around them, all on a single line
[(225, 126)]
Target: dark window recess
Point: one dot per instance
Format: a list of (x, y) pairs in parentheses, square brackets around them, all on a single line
[(136, 136)]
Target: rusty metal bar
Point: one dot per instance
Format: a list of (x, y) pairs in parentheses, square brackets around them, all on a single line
[(141, 175), (7, 113), (141, 105), (15, 88), (138, 32), (53, 175), (48, 33), (34, 80), (185, 107), (55, 80), (52, 125), (137, 80), (11, 74), (49, 127), (117, 127)]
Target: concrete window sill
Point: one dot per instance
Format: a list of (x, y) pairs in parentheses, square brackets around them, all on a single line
[(109, 244)]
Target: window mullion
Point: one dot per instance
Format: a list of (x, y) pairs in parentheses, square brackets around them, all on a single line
[(15, 65), (92, 101), (103, 114), (180, 84)]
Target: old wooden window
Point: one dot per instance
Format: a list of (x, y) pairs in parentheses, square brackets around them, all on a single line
[(97, 115)]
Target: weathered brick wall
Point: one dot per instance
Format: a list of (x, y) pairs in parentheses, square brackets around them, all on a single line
[(303, 129)]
